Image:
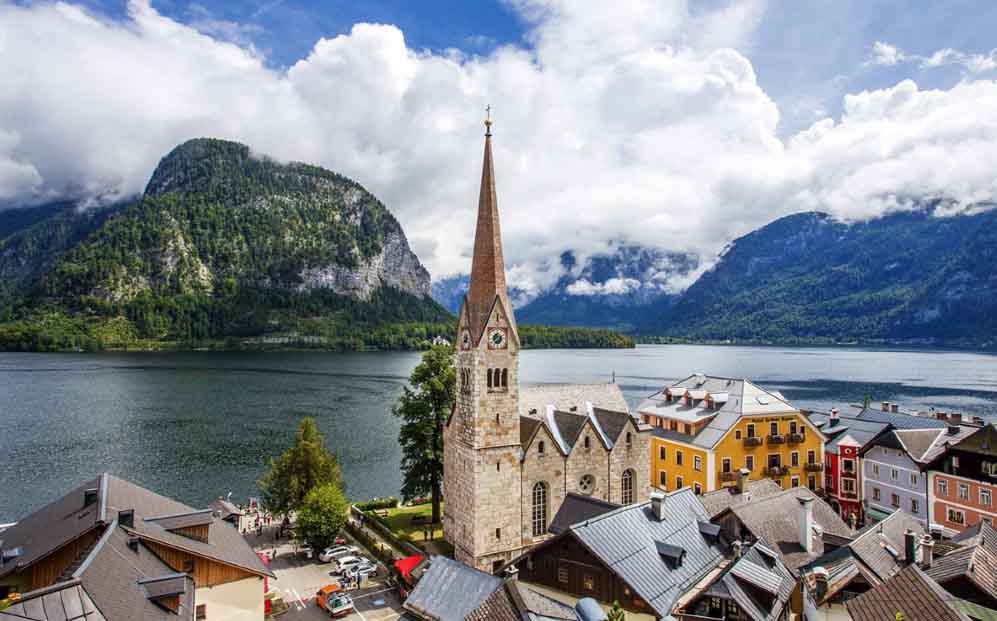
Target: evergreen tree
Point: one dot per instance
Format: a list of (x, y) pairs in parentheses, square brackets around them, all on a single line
[(302, 468), (616, 613), (322, 515), (423, 407)]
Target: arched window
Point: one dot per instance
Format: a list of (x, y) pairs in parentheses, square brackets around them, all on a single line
[(539, 509), (489, 378), (630, 440), (587, 443), (628, 487), (540, 448), (505, 378)]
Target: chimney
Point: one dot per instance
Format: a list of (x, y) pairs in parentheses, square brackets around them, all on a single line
[(658, 506), (927, 549), (894, 407), (126, 518), (90, 496), (955, 418), (886, 406), (821, 579), (742, 480), (806, 523), (736, 549), (910, 546), (511, 571), (953, 430)]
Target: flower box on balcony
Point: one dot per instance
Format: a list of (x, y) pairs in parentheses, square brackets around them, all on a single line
[(796, 438), (778, 439), (813, 467), (753, 441)]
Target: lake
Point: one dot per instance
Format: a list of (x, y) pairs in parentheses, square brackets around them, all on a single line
[(198, 425)]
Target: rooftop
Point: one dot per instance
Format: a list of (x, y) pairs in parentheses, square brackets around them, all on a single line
[(716, 502), (912, 594)]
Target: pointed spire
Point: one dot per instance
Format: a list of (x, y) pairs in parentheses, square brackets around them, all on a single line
[(488, 265)]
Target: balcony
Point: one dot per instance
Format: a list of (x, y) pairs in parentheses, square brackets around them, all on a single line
[(849, 495), (777, 439), (813, 467), (728, 476), (797, 438), (849, 474), (777, 471), (751, 441)]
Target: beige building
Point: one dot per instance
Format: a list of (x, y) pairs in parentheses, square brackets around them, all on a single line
[(510, 454)]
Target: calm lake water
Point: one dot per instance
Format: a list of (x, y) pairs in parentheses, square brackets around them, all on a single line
[(198, 425)]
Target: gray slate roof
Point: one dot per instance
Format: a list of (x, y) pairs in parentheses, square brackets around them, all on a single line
[(860, 431), (911, 592), (577, 508), (717, 501), (533, 400), (757, 570), (870, 545), (976, 562), (516, 602), (63, 601), (624, 540), (898, 420), (450, 590)]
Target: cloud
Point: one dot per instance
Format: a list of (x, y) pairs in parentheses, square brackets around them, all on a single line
[(613, 286), (888, 55), (638, 122)]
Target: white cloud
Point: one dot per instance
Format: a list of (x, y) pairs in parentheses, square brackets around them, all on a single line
[(613, 286), (889, 55), (635, 122)]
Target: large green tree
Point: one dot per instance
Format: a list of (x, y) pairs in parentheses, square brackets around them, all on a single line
[(322, 515), (423, 407), (302, 468)]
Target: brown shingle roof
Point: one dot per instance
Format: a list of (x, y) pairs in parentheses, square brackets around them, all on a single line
[(716, 502), (776, 519), (870, 546), (977, 562), (910, 592)]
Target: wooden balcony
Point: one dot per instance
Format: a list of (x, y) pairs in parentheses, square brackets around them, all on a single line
[(777, 439), (728, 476), (777, 471), (849, 474), (753, 441), (813, 467), (797, 438)]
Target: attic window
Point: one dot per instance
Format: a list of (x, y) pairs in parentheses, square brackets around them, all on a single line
[(540, 448), (630, 440), (587, 443), (709, 530), (671, 553)]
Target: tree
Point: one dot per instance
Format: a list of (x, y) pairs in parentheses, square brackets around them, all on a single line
[(423, 407), (322, 515), (301, 468), (616, 613)]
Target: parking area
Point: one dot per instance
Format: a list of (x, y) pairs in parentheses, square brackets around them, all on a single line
[(373, 603)]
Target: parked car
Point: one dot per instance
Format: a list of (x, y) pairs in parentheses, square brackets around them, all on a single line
[(361, 570), (347, 562), (331, 554), (332, 600)]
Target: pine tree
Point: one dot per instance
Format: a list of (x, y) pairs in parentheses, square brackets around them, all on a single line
[(302, 468), (616, 613)]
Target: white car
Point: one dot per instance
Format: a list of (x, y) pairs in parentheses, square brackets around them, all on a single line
[(347, 562), (365, 568), (331, 554)]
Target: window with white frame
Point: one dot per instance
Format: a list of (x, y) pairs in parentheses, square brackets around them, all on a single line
[(895, 474), (848, 465), (848, 485), (915, 506), (985, 497), (794, 460), (913, 479), (749, 462), (875, 469), (943, 487), (955, 516), (697, 463), (963, 491), (895, 500), (539, 509), (876, 494), (662, 479)]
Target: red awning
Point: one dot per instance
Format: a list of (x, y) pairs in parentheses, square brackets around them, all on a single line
[(406, 565)]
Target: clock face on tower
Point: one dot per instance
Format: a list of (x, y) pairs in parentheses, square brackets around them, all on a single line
[(496, 338), (465, 340)]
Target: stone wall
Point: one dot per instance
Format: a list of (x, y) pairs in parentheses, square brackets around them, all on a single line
[(547, 468)]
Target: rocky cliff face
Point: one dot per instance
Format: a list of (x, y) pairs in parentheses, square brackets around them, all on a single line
[(395, 266)]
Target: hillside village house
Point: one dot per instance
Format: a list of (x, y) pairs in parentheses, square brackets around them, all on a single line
[(847, 436), (537, 444), (894, 468), (962, 482), (706, 428), (122, 552)]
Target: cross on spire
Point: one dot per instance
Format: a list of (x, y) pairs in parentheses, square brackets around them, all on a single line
[(488, 120)]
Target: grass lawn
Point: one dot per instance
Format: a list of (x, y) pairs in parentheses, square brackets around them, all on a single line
[(400, 522)]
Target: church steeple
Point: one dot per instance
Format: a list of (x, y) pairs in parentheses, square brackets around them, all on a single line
[(488, 265)]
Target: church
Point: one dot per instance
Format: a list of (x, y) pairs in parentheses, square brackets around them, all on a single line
[(512, 454)]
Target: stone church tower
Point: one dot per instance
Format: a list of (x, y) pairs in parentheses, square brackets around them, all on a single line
[(482, 440)]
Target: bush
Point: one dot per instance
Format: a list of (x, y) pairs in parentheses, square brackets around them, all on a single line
[(322, 515), (378, 503)]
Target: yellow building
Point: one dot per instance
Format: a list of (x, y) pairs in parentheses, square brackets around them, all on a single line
[(705, 429)]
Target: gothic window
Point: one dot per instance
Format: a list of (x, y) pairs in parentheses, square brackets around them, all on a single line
[(628, 487), (539, 509), (587, 443), (489, 378), (630, 440), (505, 378), (540, 448)]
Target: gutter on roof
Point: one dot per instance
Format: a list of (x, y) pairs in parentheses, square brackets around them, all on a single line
[(96, 549), (199, 553), (102, 512)]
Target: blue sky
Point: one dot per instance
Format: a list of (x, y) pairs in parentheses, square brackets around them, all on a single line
[(677, 124)]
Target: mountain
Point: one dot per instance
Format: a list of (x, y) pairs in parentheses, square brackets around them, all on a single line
[(611, 291), (449, 291), (915, 276), (223, 243)]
